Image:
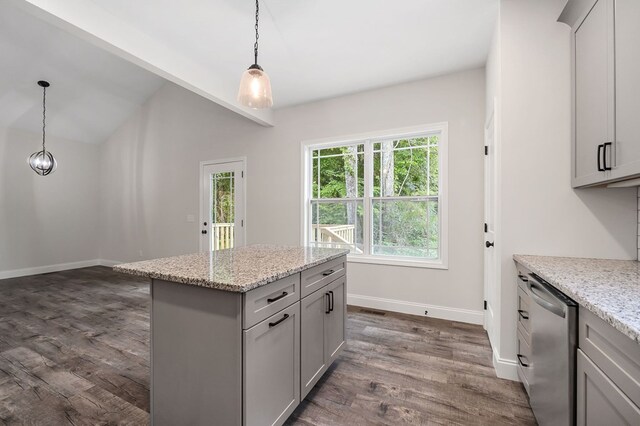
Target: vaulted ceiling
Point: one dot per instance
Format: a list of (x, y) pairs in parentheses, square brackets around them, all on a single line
[(105, 57)]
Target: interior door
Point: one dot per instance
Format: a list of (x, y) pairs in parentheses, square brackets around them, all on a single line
[(222, 211), (490, 259)]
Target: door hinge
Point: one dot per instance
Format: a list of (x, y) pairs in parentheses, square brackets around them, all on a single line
[(485, 305), (242, 173), (486, 228), (242, 223), (486, 150)]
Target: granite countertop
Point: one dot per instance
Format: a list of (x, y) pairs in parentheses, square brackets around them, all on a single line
[(608, 288), (237, 270)]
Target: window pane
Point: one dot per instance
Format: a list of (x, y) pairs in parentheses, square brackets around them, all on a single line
[(337, 224), (338, 172), (405, 228), (406, 167)]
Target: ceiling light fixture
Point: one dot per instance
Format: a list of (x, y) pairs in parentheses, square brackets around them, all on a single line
[(43, 162), (255, 87)]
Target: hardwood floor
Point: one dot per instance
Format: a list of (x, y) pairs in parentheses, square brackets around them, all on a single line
[(74, 349)]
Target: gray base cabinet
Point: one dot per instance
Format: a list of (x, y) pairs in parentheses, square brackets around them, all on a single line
[(248, 359)]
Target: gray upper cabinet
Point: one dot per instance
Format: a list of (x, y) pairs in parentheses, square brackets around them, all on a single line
[(271, 379), (605, 90)]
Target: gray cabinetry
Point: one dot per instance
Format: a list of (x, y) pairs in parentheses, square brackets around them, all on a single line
[(600, 401), (271, 379), (605, 90), (335, 330)]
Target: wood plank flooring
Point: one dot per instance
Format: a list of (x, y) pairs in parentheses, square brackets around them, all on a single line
[(74, 349)]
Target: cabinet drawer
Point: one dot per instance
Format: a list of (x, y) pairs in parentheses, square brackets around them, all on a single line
[(598, 400), (265, 301), (524, 315), (523, 278), (614, 353), (524, 361), (317, 277), (271, 369)]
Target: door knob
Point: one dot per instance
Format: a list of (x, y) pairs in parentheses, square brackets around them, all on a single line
[(204, 231), (488, 244)]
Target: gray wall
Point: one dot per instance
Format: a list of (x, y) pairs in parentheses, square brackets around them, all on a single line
[(46, 220), (150, 167)]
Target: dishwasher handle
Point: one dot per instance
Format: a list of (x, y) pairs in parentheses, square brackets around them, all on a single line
[(534, 289)]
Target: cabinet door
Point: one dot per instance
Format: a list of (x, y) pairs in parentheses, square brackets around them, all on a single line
[(593, 94), (335, 321), (599, 400), (313, 310), (627, 53), (271, 379)]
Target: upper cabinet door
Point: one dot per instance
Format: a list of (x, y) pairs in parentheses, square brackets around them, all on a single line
[(593, 94), (627, 72)]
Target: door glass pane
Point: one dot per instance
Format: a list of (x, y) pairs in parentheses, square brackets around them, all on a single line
[(337, 224), (222, 210), (408, 228)]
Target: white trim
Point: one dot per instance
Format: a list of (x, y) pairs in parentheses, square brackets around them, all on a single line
[(505, 368), (443, 129), (36, 270), (203, 164), (109, 263), (413, 308)]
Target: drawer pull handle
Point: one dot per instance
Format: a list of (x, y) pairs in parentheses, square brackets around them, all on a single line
[(331, 301), (284, 293), (522, 314), (520, 361), (327, 273), (273, 324), (328, 299), (523, 278)]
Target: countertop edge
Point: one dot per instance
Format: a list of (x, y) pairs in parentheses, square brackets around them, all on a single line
[(601, 313), (214, 285)]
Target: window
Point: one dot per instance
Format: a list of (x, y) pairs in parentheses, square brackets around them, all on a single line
[(383, 196)]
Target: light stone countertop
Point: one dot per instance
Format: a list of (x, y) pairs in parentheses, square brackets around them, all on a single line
[(608, 288), (236, 270)]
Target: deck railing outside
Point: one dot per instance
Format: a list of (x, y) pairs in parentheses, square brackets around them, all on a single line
[(341, 234), (222, 235)]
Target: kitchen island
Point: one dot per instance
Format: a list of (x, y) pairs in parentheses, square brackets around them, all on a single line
[(240, 336)]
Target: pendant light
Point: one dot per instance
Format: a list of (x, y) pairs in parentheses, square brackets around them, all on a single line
[(255, 88), (43, 162)]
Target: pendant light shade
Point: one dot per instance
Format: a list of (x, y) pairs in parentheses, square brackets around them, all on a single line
[(43, 162), (255, 87)]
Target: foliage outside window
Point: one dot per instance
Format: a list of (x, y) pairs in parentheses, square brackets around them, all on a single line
[(377, 197)]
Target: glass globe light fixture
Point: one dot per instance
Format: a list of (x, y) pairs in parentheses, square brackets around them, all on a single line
[(43, 162), (255, 87)]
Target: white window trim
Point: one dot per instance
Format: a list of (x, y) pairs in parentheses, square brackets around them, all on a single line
[(443, 205)]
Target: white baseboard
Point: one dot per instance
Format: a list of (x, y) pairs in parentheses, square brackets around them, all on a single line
[(47, 268), (412, 308), (15, 273), (505, 368)]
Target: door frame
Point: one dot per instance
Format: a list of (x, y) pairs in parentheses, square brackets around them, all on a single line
[(243, 214)]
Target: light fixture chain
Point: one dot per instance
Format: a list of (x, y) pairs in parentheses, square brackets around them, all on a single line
[(255, 46), (44, 117)]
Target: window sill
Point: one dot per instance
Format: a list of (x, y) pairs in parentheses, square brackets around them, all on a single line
[(382, 260)]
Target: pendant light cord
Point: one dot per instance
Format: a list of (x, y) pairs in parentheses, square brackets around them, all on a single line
[(255, 46), (44, 116)]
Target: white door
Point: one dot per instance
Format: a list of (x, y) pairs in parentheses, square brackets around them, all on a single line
[(490, 257), (222, 211)]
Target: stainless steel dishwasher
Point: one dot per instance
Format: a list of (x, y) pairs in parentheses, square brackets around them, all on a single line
[(553, 354)]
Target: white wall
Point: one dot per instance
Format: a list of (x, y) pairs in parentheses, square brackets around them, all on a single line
[(50, 220), (150, 180), (540, 212)]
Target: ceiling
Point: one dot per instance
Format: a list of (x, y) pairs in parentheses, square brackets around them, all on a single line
[(315, 49), (92, 92)]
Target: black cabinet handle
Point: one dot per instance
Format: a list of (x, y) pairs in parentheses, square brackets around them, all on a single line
[(520, 361), (328, 299), (604, 155), (331, 301), (600, 169), (327, 273), (523, 278), (522, 314), (273, 324), (284, 293)]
